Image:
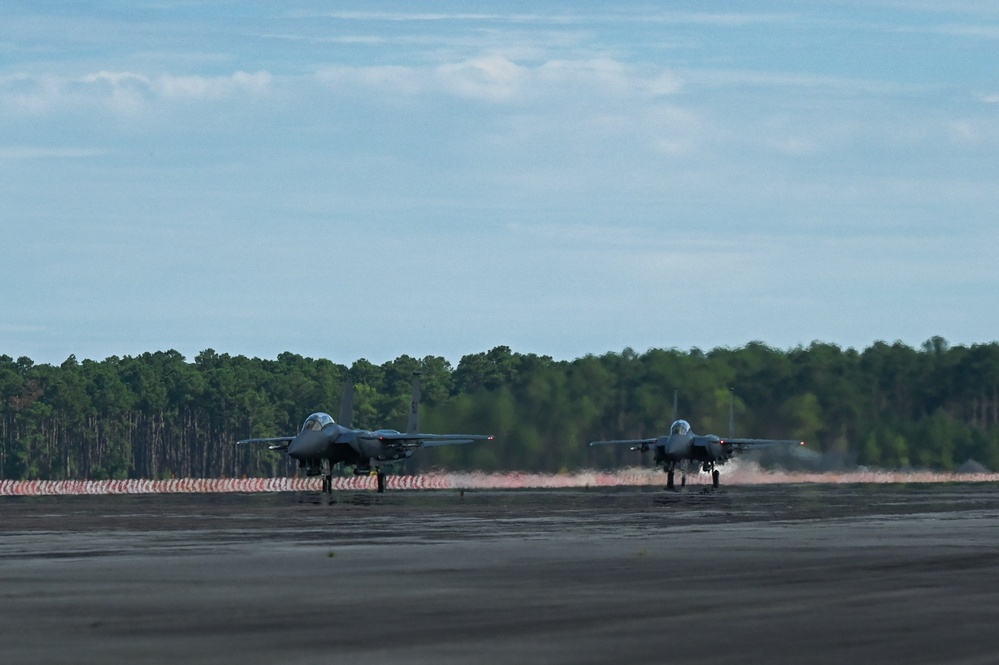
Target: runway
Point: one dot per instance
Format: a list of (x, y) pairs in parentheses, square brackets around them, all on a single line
[(746, 574)]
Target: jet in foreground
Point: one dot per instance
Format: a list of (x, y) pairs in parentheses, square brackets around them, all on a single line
[(682, 448), (323, 442)]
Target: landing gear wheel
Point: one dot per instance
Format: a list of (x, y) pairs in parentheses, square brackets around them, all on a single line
[(381, 482), (326, 471), (714, 478), (669, 480)]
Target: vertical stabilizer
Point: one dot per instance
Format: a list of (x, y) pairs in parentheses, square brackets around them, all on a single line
[(413, 427), (675, 397), (347, 404), (731, 414)]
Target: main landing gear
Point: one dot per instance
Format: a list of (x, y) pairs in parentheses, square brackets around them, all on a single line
[(708, 467), (372, 471), (326, 471), (670, 473)]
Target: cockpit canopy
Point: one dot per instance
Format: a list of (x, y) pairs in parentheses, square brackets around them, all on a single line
[(316, 422), (681, 427)]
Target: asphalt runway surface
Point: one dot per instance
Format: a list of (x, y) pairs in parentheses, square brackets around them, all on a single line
[(772, 574)]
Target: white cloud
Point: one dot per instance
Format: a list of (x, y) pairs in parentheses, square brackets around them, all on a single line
[(499, 79), (213, 87), (29, 94), (665, 83), (123, 92), (492, 78), (387, 78)]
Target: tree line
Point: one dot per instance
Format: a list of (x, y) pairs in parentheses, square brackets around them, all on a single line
[(157, 415)]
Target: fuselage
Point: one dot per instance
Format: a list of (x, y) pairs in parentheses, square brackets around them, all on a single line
[(321, 438), (683, 444)]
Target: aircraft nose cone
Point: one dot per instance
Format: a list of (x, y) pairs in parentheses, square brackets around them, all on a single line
[(674, 447), (309, 445), (295, 448)]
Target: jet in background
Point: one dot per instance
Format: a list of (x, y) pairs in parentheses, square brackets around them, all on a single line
[(323, 443), (682, 448)]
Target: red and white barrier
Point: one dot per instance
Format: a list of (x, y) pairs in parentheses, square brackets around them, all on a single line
[(212, 485), (734, 475)]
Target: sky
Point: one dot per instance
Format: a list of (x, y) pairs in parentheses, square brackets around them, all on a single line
[(352, 180)]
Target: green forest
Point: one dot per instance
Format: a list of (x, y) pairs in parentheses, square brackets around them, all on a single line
[(159, 415)]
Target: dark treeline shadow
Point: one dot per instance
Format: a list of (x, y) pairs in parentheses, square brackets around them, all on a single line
[(158, 415)]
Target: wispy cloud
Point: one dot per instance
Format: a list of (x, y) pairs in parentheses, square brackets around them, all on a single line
[(122, 91), (720, 19), (789, 80), (977, 31), (491, 78), (395, 79), (16, 328), (496, 78), (214, 87), (439, 17), (723, 19), (23, 152)]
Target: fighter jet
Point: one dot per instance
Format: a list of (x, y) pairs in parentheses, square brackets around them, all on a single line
[(323, 442), (682, 448)]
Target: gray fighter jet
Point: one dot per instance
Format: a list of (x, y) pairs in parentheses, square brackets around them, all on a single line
[(682, 448), (323, 442)]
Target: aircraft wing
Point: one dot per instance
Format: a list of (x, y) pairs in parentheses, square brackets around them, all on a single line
[(276, 442), (638, 443), (753, 444), (429, 440)]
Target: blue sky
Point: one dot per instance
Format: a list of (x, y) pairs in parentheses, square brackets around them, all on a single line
[(349, 180)]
